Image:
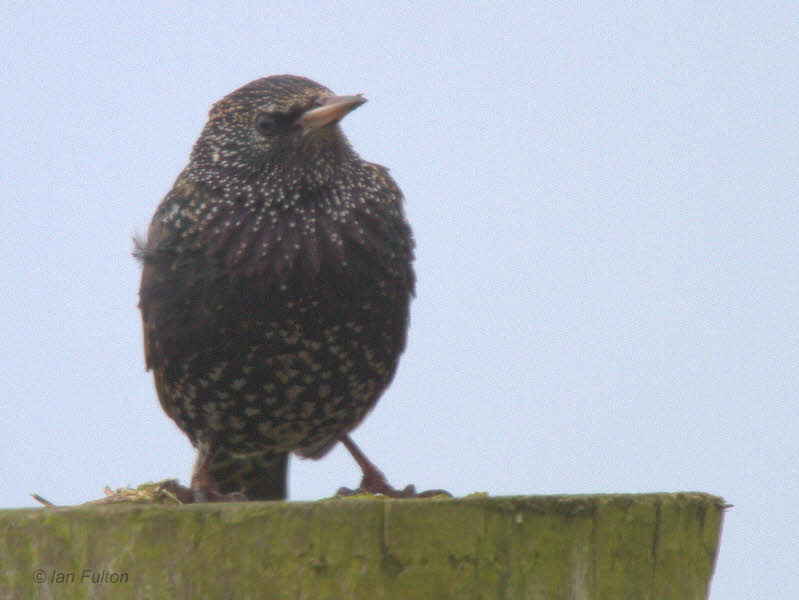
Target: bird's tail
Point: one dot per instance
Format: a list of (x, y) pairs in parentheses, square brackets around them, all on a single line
[(257, 476)]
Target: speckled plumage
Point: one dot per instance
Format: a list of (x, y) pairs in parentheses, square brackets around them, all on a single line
[(276, 285)]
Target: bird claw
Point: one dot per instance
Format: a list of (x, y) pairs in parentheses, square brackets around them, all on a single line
[(183, 494), (196, 495), (376, 484), (409, 491), (214, 496)]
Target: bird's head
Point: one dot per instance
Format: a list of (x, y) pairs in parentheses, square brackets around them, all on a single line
[(280, 124)]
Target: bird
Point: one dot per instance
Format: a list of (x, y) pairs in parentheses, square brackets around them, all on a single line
[(277, 278)]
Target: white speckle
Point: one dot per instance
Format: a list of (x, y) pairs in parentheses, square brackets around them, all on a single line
[(216, 373), (293, 392)]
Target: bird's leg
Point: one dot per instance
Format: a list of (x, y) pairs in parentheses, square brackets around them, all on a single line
[(203, 487), (203, 484), (374, 481)]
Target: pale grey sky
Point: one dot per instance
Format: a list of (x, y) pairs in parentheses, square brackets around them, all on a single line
[(604, 199)]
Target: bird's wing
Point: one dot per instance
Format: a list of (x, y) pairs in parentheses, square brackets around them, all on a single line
[(144, 251), (156, 254)]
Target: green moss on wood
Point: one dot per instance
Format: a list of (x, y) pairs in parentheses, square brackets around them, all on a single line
[(649, 547)]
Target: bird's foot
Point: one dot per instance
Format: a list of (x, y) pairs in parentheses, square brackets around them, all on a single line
[(409, 491), (183, 494), (374, 482), (203, 486), (215, 496), (195, 495)]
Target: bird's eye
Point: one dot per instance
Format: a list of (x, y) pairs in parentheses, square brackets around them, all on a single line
[(266, 123)]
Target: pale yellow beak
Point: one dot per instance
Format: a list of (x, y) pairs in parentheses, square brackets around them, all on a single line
[(332, 111)]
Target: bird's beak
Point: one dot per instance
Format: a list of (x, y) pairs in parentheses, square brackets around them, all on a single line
[(332, 111)]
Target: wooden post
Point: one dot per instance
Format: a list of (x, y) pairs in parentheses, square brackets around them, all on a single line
[(598, 547)]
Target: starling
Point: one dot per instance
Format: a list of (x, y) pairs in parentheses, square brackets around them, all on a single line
[(276, 283)]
